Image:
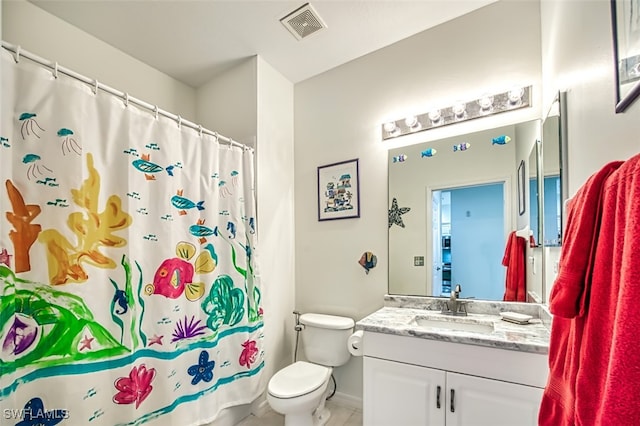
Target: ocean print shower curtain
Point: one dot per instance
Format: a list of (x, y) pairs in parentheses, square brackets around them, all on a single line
[(128, 278)]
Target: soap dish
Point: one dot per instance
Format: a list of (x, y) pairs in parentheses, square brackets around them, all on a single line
[(515, 317)]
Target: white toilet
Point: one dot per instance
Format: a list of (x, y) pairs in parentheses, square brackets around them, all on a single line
[(299, 390)]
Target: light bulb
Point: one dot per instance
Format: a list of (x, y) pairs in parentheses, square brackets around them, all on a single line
[(515, 95), (412, 122), (390, 127), (458, 109), (434, 116), (485, 102)]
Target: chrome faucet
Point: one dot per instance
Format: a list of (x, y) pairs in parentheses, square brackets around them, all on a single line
[(456, 292), (455, 306)]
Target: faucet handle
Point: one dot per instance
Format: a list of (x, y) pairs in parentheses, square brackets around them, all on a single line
[(458, 289)]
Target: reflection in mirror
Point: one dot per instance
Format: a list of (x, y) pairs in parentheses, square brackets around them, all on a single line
[(468, 227), (554, 155), (551, 183), (535, 216), (453, 232)]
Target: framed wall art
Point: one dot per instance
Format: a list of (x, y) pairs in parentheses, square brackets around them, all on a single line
[(338, 190), (625, 23)]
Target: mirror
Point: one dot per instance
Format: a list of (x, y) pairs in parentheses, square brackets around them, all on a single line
[(458, 201), (535, 210), (554, 187)]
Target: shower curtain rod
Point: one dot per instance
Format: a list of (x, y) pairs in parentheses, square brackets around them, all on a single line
[(55, 68)]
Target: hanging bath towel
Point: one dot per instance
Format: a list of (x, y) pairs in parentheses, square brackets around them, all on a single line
[(128, 276), (513, 259)]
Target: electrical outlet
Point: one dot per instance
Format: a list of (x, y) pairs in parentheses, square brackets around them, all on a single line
[(418, 261)]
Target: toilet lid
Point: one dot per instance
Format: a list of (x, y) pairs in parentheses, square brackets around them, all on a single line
[(298, 379)]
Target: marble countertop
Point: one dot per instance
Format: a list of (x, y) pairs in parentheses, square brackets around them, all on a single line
[(400, 320)]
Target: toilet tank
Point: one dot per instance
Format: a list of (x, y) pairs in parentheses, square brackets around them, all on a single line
[(324, 338)]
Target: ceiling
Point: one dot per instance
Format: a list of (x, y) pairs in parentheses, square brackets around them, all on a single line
[(194, 40)]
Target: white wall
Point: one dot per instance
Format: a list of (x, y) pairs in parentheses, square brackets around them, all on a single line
[(276, 212), (338, 116), (577, 51), (228, 103), (45, 35)]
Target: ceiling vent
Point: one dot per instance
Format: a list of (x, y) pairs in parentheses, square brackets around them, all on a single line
[(303, 22)]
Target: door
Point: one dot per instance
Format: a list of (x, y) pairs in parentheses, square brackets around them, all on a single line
[(402, 394), (436, 229), (476, 401), (477, 240)]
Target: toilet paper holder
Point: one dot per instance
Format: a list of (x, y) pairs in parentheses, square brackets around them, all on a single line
[(354, 343)]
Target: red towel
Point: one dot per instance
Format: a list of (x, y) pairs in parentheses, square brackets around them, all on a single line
[(608, 381), (569, 300), (514, 260)]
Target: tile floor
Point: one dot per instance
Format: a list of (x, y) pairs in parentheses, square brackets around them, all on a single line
[(340, 416)]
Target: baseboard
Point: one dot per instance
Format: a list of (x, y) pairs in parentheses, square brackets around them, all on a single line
[(260, 406), (346, 400)]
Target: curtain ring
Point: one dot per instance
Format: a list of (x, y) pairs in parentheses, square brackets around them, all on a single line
[(155, 111), (126, 100), (55, 70), (17, 57), (215, 135), (230, 144), (200, 129), (179, 122)]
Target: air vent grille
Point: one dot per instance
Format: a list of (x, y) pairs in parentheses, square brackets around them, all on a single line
[(303, 22)]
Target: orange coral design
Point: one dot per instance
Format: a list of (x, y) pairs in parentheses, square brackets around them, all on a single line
[(25, 234), (92, 228)]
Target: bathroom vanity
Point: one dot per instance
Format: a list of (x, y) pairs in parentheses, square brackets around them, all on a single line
[(425, 368)]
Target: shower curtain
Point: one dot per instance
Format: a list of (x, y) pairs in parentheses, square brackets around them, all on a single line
[(128, 278)]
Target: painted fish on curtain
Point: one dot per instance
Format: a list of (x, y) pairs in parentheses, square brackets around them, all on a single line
[(128, 276)]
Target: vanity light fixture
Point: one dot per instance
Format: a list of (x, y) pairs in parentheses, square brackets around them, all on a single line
[(489, 104)]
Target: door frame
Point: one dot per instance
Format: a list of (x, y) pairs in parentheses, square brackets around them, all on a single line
[(509, 214)]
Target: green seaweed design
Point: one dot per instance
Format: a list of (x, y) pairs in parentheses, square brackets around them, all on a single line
[(128, 291), (253, 297), (224, 304), (62, 319)]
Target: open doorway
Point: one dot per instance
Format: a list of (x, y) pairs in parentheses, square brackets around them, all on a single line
[(468, 229)]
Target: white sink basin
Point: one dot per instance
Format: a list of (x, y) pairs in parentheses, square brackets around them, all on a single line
[(454, 324)]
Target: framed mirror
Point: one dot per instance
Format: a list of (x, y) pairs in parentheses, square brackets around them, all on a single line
[(459, 198)]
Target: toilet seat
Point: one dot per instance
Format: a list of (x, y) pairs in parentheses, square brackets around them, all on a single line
[(299, 378)]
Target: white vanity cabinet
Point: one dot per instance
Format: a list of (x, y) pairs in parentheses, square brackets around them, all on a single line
[(413, 382)]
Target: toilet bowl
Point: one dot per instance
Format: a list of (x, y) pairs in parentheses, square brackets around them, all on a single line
[(298, 392)]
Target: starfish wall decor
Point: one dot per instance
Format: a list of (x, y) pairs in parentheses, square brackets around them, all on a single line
[(395, 214)]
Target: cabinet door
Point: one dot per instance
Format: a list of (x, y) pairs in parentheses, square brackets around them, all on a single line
[(483, 402), (402, 394)]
